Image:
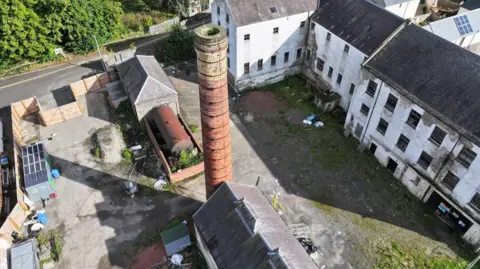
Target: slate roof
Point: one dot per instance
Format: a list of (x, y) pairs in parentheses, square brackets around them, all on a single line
[(144, 79), (247, 12), (471, 4), (447, 28), (360, 23), (242, 230), (441, 76)]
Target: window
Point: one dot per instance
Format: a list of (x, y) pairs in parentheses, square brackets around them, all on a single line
[(275, 30), (299, 54), (339, 79), (330, 72), (246, 37), (228, 32), (466, 157), (352, 89), (364, 110), (424, 160), (413, 119), (302, 24), (246, 68), (391, 102), (382, 126), (273, 60), (260, 64), (437, 136), (450, 180), (227, 18), (228, 62), (346, 48), (371, 88), (228, 49), (320, 64), (308, 54), (286, 56), (402, 142), (218, 10), (218, 22), (329, 36), (475, 202), (312, 25), (273, 9)]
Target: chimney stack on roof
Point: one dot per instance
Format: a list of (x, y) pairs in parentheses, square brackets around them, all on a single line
[(211, 47)]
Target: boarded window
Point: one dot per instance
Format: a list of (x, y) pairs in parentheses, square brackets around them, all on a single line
[(246, 68), (320, 64), (475, 202), (346, 48), (425, 160), (352, 89), (260, 64), (286, 56), (330, 72), (391, 102), (450, 180), (339, 79), (365, 109), (437, 136), (413, 119), (382, 126), (466, 157), (371, 88), (273, 60), (402, 142)]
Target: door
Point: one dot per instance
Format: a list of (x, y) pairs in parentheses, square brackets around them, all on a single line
[(373, 148), (392, 165)]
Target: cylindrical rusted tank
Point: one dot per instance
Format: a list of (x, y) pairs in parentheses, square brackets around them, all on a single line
[(211, 47), (171, 129)]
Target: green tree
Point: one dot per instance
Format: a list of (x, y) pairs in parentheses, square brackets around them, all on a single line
[(22, 33)]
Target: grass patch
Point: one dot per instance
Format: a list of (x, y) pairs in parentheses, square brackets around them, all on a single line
[(393, 256)]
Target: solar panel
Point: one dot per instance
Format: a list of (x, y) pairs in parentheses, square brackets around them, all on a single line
[(463, 25), (34, 167)]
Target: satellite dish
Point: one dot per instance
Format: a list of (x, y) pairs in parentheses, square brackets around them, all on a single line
[(177, 259)]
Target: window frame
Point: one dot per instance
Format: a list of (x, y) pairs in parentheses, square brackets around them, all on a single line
[(218, 10), (437, 131), (228, 62), (391, 107), (473, 205), (382, 123), (346, 49), (246, 37), (309, 54), (275, 30), (273, 60), (413, 115), (427, 163), (299, 53), (339, 79), (227, 18), (246, 68), (464, 157), (260, 65), (302, 24), (329, 37), (352, 89), (405, 141), (371, 88), (322, 62), (449, 176), (364, 109), (330, 72), (286, 57)]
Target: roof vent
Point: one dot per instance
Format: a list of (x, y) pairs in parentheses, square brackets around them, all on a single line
[(273, 10)]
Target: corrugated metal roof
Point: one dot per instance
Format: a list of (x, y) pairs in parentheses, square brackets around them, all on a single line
[(447, 29)]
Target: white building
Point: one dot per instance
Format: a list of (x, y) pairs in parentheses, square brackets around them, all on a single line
[(402, 8), (342, 35), (462, 29), (266, 38), (405, 112)]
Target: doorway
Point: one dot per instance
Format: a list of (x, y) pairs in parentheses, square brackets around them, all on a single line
[(392, 165), (373, 148)]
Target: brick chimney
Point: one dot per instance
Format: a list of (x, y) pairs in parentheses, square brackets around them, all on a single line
[(211, 46)]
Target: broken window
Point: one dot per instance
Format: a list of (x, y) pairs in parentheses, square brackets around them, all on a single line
[(260, 64), (246, 68), (364, 109), (391, 102), (402, 142), (275, 30), (273, 60), (330, 72), (425, 160), (329, 36), (346, 48), (246, 37), (320, 64), (437, 136), (475, 202), (352, 89), (413, 119), (371, 88), (339, 78), (286, 56), (382, 126), (450, 180), (299, 54), (466, 157)]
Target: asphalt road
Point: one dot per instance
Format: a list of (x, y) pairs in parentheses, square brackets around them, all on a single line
[(42, 82)]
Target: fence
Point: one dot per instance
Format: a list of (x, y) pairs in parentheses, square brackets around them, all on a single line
[(163, 27)]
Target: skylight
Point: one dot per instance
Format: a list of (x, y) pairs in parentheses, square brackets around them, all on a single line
[(463, 25)]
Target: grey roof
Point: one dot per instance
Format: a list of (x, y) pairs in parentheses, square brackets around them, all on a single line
[(144, 79), (247, 12), (35, 168), (24, 255), (471, 4), (447, 28), (242, 230), (360, 23), (443, 77)]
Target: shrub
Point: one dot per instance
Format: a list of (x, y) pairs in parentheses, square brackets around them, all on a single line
[(127, 154)]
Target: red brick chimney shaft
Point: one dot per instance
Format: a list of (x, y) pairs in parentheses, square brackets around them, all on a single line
[(211, 46)]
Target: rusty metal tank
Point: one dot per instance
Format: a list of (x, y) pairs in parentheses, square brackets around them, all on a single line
[(171, 129)]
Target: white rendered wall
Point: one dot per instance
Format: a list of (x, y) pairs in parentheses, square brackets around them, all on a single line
[(405, 10)]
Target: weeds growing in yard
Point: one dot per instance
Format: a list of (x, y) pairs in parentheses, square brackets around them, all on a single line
[(186, 159), (127, 155), (193, 128)]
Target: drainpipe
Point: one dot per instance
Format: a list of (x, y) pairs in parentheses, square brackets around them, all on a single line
[(308, 35), (373, 108)]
